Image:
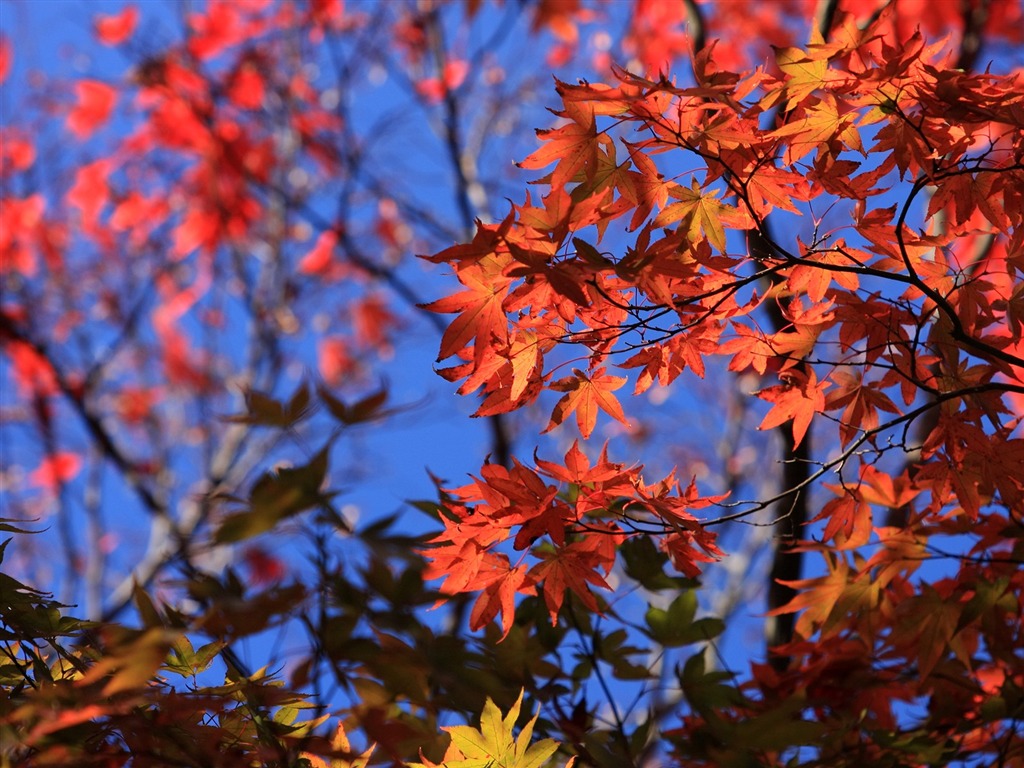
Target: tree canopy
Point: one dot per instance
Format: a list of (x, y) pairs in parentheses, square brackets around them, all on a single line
[(740, 324)]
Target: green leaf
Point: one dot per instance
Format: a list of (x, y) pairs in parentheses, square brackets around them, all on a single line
[(704, 690), (366, 409), (670, 627), (276, 497), (264, 411), (986, 595), (645, 563), (147, 610), (703, 629), (181, 657), (777, 729)]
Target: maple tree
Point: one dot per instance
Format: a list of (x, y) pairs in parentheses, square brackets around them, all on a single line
[(771, 249)]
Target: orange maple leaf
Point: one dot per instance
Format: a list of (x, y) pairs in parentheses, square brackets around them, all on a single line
[(573, 146), (798, 398), (815, 280), (817, 597), (849, 516), (819, 124), (749, 348), (570, 567), (585, 395), (498, 597), (861, 400), (525, 357), (479, 307)]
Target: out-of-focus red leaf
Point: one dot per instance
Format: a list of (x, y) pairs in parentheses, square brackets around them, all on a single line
[(218, 28), (200, 228), (90, 191), (326, 12), (247, 88), (6, 56), (19, 222), (116, 29), (433, 89), (263, 567), (17, 151), (135, 404), (320, 259), (372, 322), (455, 71), (33, 374), (55, 470), (67, 719), (390, 228), (94, 102), (335, 361)]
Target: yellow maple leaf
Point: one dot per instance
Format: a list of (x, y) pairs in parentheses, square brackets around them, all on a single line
[(493, 745)]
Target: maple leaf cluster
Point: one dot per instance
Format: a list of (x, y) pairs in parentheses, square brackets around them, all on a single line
[(895, 309), (930, 325), (580, 535)]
